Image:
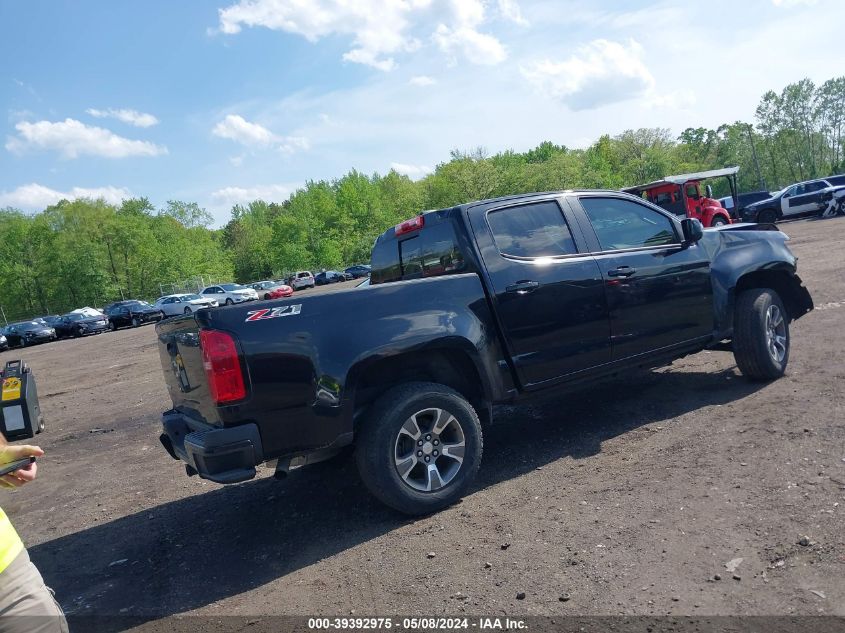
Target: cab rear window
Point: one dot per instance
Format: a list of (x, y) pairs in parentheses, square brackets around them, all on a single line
[(432, 251)]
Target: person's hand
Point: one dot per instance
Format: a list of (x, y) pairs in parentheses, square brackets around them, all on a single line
[(9, 453)]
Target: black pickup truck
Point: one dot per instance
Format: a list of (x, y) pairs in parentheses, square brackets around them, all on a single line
[(488, 302)]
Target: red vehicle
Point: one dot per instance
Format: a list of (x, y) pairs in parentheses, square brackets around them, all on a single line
[(272, 290), (681, 195)]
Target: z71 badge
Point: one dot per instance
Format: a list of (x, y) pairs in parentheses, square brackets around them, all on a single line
[(273, 313)]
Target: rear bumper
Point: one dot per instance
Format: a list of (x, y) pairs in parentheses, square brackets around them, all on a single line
[(222, 455)]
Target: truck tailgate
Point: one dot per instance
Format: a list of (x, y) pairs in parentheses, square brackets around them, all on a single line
[(182, 363)]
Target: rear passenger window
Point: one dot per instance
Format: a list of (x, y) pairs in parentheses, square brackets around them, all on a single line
[(531, 230), (621, 224)]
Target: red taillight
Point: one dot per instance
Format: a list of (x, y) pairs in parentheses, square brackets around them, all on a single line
[(222, 366), (409, 225)]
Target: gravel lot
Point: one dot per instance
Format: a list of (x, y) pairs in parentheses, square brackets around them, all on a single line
[(630, 497)]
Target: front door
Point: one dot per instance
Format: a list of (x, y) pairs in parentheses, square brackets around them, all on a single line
[(659, 291), (548, 293), (802, 198)]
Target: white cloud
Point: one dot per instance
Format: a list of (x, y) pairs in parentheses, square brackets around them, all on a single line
[(600, 73), (510, 10), (291, 144), (412, 171), (683, 99), (478, 48), (229, 196), (37, 197), (463, 35), (380, 29), (132, 117), (72, 138), (422, 80), (235, 128)]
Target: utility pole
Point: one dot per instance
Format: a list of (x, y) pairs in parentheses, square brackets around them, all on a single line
[(3, 312), (760, 180)]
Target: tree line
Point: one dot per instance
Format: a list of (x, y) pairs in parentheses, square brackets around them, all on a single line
[(88, 252)]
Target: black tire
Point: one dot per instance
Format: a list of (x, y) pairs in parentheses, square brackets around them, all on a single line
[(266, 297), (113, 326), (378, 440), (229, 301), (77, 333), (767, 216), (758, 356), (136, 322), (718, 221), (187, 310)]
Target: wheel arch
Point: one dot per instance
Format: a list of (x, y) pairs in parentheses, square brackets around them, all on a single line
[(455, 365), (782, 280)]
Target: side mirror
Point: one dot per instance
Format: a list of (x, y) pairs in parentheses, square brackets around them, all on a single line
[(708, 191), (693, 231)]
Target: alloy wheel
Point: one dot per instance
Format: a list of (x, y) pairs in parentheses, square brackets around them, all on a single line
[(776, 333), (429, 450)]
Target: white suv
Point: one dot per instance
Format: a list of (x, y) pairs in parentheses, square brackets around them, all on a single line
[(302, 279)]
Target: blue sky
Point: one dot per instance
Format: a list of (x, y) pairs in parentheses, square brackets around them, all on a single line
[(224, 101)]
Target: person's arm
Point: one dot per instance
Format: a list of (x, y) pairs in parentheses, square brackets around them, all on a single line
[(10, 453)]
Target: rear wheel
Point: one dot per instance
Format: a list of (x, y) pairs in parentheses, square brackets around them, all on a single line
[(419, 448), (136, 322), (761, 334), (266, 296), (767, 216)]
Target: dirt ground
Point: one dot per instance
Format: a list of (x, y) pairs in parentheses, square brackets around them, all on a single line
[(630, 496)]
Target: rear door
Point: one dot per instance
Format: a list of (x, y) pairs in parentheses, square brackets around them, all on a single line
[(548, 293), (659, 291)]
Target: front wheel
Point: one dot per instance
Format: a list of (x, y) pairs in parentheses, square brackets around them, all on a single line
[(112, 326), (187, 310), (229, 301), (419, 448), (135, 322), (718, 221), (767, 216), (761, 334)]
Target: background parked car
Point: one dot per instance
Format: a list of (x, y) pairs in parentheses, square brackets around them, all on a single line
[(802, 198), (743, 200), (87, 311), (26, 333), (132, 312), (230, 293), (77, 324), (329, 277), (4, 343), (358, 270), (172, 305), (272, 289), (301, 280)]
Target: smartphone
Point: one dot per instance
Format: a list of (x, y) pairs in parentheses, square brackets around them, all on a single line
[(11, 467)]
